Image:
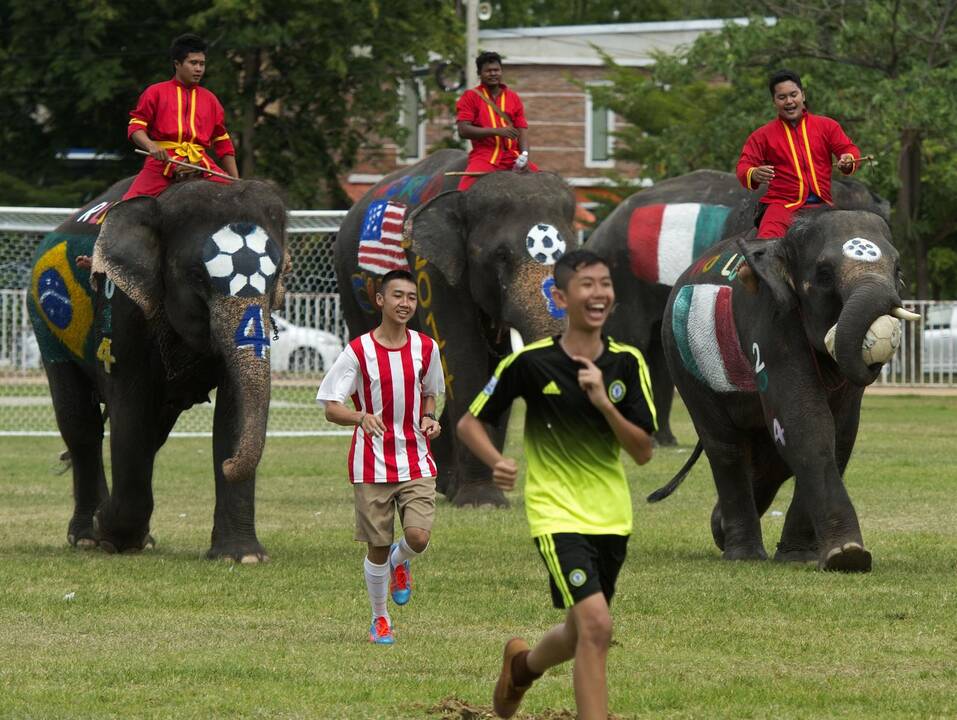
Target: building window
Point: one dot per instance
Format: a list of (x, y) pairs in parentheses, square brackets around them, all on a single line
[(412, 119), (599, 139)]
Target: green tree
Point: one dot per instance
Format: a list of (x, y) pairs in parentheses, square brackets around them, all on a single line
[(305, 83), (884, 69)]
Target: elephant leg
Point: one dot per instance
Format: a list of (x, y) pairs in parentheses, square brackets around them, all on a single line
[(663, 388), (234, 519), (479, 490), (739, 535), (81, 426), (123, 522), (443, 452)]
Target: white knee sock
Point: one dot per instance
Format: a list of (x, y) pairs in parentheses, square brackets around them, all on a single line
[(377, 583), (403, 552)]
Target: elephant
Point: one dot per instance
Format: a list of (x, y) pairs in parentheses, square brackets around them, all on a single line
[(482, 264), (177, 303), (653, 235), (771, 344)]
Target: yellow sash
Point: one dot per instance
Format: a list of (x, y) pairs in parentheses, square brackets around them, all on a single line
[(191, 152)]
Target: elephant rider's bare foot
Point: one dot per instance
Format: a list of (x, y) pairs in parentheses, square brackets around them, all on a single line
[(850, 557), (244, 553), (84, 262), (479, 494)]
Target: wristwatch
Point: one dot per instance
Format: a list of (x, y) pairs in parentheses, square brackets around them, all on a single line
[(430, 416)]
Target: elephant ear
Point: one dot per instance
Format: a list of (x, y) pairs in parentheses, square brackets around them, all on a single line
[(128, 252), (437, 231), (768, 259)]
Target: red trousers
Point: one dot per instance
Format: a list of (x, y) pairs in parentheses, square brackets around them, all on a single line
[(482, 164), (151, 180), (777, 219)]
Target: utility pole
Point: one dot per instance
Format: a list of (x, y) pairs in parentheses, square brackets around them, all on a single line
[(471, 42)]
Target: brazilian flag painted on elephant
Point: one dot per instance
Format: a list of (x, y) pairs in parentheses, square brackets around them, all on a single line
[(61, 306), (703, 325), (664, 239)]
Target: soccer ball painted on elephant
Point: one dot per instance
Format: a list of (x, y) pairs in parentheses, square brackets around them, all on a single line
[(482, 260), (772, 359), (178, 304), (655, 234)]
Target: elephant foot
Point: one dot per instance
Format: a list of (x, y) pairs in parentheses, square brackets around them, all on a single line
[(665, 438), (483, 494), (850, 557), (245, 553), (80, 534), (114, 541), (745, 552), (109, 547), (795, 556)]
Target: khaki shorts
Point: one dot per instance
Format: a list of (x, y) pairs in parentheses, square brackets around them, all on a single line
[(376, 504)]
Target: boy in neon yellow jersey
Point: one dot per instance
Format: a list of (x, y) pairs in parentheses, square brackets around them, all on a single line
[(586, 397)]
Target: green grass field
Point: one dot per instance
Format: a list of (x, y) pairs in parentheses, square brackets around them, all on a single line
[(170, 635)]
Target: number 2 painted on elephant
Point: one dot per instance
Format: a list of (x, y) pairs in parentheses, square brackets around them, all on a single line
[(758, 362)]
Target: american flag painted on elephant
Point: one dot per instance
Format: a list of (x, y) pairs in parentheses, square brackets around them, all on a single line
[(380, 240), (664, 239), (702, 322)]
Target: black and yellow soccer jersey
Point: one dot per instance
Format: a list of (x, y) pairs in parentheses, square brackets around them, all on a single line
[(575, 481)]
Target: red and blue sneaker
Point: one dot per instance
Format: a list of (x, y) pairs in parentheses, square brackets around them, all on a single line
[(380, 632), (400, 581)]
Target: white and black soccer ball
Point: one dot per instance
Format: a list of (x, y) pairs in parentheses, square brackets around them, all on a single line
[(545, 244), (241, 260)]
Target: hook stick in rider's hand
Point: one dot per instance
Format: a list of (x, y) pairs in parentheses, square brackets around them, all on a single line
[(190, 165)]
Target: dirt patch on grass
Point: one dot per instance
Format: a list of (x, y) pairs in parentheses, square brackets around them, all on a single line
[(452, 708)]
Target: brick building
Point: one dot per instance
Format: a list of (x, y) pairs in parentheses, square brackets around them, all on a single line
[(568, 134)]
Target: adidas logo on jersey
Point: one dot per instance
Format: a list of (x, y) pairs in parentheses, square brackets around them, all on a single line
[(551, 389)]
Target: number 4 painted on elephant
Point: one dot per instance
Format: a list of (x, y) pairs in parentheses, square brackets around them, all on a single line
[(250, 331), (104, 354)]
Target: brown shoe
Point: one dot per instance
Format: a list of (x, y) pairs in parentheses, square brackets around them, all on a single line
[(507, 697)]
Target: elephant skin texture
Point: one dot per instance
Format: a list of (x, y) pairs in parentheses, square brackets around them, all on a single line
[(655, 234), (743, 336), (177, 304), (482, 261)]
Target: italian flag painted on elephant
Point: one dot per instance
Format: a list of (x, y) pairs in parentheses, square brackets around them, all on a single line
[(664, 239), (702, 322)]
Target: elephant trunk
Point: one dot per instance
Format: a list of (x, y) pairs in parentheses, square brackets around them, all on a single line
[(241, 330), (866, 303), (528, 308)]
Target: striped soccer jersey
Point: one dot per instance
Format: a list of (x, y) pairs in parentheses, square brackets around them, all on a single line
[(389, 382)]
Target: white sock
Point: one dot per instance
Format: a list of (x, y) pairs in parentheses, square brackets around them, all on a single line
[(377, 583), (404, 552)]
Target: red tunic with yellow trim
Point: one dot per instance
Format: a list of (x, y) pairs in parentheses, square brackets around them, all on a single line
[(186, 122), (801, 157), (492, 153)]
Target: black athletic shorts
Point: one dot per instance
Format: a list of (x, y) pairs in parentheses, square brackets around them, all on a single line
[(581, 565)]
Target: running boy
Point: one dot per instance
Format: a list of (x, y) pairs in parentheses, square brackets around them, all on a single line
[(393, 376), (586, 396)]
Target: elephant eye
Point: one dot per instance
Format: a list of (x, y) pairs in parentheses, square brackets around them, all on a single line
[(824, 276)]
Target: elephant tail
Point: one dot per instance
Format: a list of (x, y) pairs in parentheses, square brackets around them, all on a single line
[(663, 492)]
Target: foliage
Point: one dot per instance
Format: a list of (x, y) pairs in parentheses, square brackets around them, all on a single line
[(543, 13), (879, 68), (305, 83), (169, 634)]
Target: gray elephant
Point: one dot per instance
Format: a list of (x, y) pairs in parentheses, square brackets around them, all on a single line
[(771, 344), (653, 235), (179, 304), (482, 262)]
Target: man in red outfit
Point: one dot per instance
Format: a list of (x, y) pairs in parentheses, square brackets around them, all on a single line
[(179, 119), (493, 118), (792, 153)]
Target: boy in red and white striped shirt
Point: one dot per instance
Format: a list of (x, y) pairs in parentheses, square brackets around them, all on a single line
[(393, 376)]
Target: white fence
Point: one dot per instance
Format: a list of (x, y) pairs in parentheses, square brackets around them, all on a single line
[(311, 332)]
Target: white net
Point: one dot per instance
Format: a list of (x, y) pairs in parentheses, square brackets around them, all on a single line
[(310, 329)]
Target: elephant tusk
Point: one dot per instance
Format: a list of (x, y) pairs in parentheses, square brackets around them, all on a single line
[(516, 337), (829, 340), (903, 314)]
